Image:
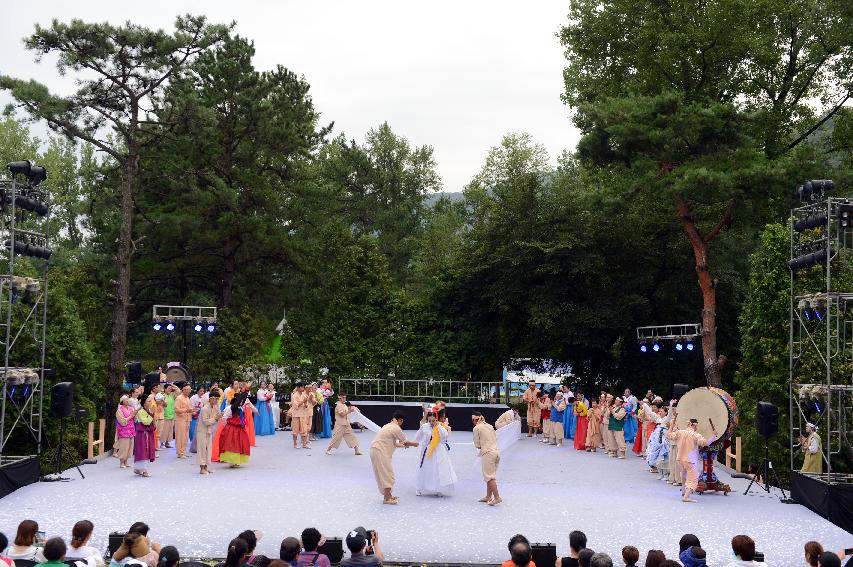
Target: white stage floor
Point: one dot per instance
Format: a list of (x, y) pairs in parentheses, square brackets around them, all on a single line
[(547, 493)]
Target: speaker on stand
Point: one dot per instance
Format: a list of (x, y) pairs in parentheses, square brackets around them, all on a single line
[(767, 424), (62, 406)]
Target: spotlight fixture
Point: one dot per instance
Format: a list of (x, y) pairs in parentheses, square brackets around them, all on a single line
[(809, 260), (36, 175), (812, 221), (170, 326), (644, 347), (845, 215), (211, 327), (23, 248), (689, 345), (679, 347), (157, 325), (656, 346), (20, 167), (814, 190), (819, 309), (197, 327)]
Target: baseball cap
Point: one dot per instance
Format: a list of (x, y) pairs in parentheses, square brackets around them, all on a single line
[(357, 539)]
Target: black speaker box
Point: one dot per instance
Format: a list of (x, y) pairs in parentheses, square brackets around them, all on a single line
[(767, 419), (115, 539), (334, 549), (543, 553), (134, 372), (62, 399), (679, 390)]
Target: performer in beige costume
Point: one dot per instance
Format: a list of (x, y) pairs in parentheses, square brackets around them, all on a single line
[(389, 438), (507, 417), (183, 417), (343, 429), (534, 412), (300, 414), (208, 419), (487, 442), (688, 442)]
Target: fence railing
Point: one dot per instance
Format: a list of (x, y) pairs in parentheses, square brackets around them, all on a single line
[(451, 391)]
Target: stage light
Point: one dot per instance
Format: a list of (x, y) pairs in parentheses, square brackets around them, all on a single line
[(157, 325), (679, 347), (19, 167), (23, 248), (656, 347), (812, 221), (690, 345), (808, 260), (814, 190), (37, 174), (819, 310), (170, 326), (211, 327), (644, 348), (197, 327)]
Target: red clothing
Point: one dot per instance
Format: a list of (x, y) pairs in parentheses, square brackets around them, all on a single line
[(509, 563), (582, 424)]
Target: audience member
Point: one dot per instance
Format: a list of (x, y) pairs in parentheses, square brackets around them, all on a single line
[(311, 540), (829, 559), (364, 551), (743, 549), (24, 546), (516, 539), (600, 560), (54, 552), (81, 533), (135, 550), (813, 551), (251, 537), (142, 529), (169, 557), (520, 554), (654, 558), (289, 551), (577, 542), (584, 557), (4, 543), (670, 563), (280, 563), (693, 557), (630, 555), (688, 540), (238, 552)]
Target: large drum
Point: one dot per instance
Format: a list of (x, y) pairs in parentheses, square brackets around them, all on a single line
[(704, 404)]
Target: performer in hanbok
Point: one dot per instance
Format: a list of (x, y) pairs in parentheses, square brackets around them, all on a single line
[(582, 420), (630, 406), (197, 401), (265, 424), (558, 410), (234, 447), (343, 429), (125, 431), (315, 424), (507, 417), (183, 417), (208, 418), (144, 445), (688, 441), (615, 429), (593, 430), (811, 447), (249, 412), (534, 413), (436, 476), (389, 438), (490, 457), (545, 404), (300, 414), (325, 411), (657, 452)]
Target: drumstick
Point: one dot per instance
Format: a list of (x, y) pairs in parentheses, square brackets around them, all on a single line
[(712, 425)]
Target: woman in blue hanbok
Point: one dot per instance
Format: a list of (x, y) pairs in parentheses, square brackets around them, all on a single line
[(265, 422), (325, 412), (631, 426), (569, 417)]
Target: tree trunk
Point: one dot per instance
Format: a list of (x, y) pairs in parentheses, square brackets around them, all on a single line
[(229, 271), (121, 306), (700, 245)]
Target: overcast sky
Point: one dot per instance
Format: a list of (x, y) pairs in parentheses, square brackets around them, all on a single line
[(454, 74)]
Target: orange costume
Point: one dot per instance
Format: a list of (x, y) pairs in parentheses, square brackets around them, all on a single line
[(687, 442)]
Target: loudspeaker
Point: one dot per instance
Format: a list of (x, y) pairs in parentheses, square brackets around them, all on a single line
[(543, 553), (679, 390), (62, 399), (333, 549), (134, 372), (115, 539), (767, 419)]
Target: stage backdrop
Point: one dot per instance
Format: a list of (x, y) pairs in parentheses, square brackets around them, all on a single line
[(459, 415), (832, 501)]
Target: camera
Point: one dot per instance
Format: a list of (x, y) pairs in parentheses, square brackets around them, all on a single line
[(371, 537), (759, 556)]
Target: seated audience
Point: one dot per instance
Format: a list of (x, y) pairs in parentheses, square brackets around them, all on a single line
[(813, 551), (362, 551), (252, 538), (600, 560), (311, 540), (517, 538), (670, 563), (289, 551), (520, 554), (169, 557), (135, 550), (54, 552), (238, 552), (577, 542), (693, 557), (585, 557), (829, 559), (24, 546), (688, 540), (743, 549), (4, 543), (81, 533), (630, 555), (654, 558)]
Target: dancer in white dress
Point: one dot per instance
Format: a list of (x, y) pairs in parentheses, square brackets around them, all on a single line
[(436, 476)]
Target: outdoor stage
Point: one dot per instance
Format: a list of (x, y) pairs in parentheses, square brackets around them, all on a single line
[(547, 493)]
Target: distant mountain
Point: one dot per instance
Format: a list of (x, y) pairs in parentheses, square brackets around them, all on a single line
[(432, 199)]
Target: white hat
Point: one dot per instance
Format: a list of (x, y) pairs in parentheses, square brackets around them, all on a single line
[(812, 425)]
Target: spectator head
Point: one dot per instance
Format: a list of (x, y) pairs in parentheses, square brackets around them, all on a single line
[(688, 540), (577, 541), (290, 549), (311, 539), (670, 563), (655, 558), (4, 542), (585, 556), (251, 539), (743, 547), (693, 557), (26, 535), (515, 539), (80, 533), (140, 528), (169, 557), (829, 559), (813, 552), (134, 544), (237, 551), (600, 560), (630, 555), (54, 549), (520, 554), (278, 563)]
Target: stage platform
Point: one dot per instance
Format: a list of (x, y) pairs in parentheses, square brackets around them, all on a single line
[(547, 491), (459, 414)]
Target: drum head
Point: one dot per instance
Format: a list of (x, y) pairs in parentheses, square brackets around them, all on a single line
[(703, 404)]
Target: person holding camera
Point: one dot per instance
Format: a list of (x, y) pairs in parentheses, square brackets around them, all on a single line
[(364, 549)]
